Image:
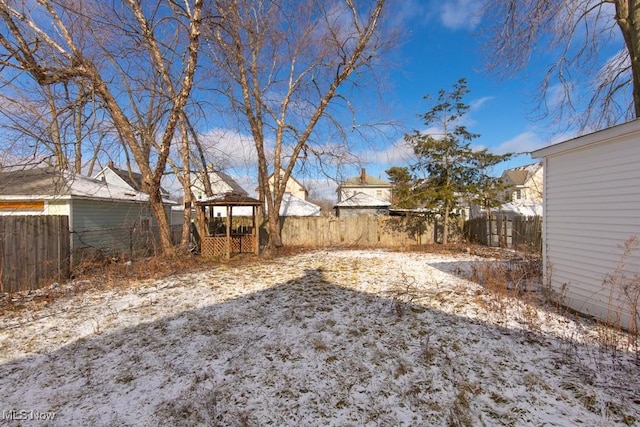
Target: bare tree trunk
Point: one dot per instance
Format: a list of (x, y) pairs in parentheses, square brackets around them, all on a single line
[(628, 19)]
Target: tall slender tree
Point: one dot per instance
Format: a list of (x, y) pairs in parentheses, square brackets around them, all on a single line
[(284, 63), (137, 59), (447, 168)]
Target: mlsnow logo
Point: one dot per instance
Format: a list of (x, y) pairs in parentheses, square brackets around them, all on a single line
[(25, 415)]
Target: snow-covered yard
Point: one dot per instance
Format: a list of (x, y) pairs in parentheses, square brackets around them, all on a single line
[(324, 338)]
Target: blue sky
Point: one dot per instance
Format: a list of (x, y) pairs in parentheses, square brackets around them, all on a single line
[(437, 48), (440, 50)]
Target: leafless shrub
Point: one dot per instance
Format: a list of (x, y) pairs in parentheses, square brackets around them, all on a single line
[(404, 292), (624, 298)]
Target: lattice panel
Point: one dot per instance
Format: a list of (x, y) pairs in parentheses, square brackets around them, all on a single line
[(217, 246)]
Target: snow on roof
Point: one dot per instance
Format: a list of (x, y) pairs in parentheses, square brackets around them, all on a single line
[(362, 200), (524, 207), (49, 184), (295, 206)]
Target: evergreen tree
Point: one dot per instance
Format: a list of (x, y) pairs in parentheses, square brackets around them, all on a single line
[(445, 161)]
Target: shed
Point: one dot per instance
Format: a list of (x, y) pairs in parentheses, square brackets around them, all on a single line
[(103, 217), (221, 236), (591, 218)]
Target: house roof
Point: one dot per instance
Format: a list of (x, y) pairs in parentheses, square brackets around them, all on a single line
[(219, 177), (51, 184), (520, 175), (295, 206), (132, 179), (362, 200), (368, 181)]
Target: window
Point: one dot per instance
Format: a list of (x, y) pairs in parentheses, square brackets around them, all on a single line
[(518, 194)]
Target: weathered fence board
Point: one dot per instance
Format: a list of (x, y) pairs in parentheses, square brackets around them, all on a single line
[(381, 231), (33, 250), (507, 231)]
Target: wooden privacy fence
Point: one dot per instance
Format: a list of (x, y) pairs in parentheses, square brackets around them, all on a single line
[(507, 231), (382, 231), (34, 250)]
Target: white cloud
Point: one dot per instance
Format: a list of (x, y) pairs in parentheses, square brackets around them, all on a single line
[(477, 104), (398, 153), (230, 149), (522, 143), (460, 14)]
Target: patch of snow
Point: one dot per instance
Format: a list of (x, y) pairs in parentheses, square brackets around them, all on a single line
[(330, 337)]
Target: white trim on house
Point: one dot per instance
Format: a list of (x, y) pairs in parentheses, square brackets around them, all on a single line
[(591, 208)]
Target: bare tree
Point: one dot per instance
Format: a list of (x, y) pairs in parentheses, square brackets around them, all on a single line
[(137, 59), (60, 126), (283, 64), (578, 33)]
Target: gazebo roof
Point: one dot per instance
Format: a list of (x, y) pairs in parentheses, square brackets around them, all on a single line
[(229, 199)]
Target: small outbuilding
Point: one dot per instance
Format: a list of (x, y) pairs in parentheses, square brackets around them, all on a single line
[(103, 217), (592, 223)]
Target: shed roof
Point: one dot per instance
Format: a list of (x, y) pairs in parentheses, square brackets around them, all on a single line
[(50, 183), (295, 206), (599, 137)]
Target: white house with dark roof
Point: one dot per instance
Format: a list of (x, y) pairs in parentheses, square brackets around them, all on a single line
[(366, 184), (221, 183), (524, 183), (123, 178)]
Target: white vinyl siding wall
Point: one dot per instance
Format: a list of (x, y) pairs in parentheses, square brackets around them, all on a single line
[(591, 208)]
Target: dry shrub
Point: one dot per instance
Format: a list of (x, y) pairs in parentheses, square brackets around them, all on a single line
[(505, 280), (624, 298)]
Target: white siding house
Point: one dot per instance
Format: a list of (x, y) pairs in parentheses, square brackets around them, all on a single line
[(365, 184), (591, 208)]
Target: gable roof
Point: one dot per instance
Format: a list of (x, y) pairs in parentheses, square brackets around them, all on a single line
[(362, 200), (130, 178), (51, 184), (221, 179), (365, 180), (520, 174)]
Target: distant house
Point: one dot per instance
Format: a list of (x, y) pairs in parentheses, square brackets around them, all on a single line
[(293, 186), (591, 210), (124, 178), (103, 217), (365, 184), (361, 204), (523, 183), (221, 184)]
